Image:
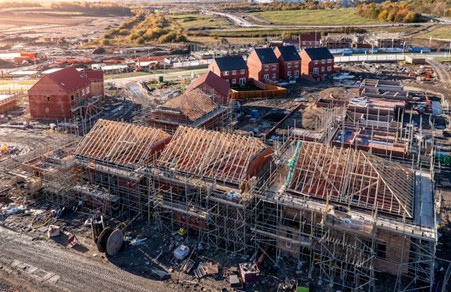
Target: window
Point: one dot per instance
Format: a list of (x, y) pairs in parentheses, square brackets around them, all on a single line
[(274, 76), (266, 76), (289, 65), (242, 71), (83, 92), (329, 68), (289, 234), (274, 67), (316, 71), (323, 69), (296, 74), (381, 250), (296, 64), (329, 61), (87, 90), (323, 61), (233, 72), (242, 81), (289, 73), (233, 81), (225, 73), (72, 97), (266, 68), (48, 98), (316, 62)]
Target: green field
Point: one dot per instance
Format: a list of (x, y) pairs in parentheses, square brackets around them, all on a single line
[(314, 17), (441, 32), (200, 21)]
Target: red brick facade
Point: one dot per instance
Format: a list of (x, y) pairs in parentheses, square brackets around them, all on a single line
[(50, 101), (55, 94), (262, 72), (233, 77), (315, 69), (288, 69)]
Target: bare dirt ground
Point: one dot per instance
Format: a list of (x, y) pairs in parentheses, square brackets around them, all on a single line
[(35, 24)]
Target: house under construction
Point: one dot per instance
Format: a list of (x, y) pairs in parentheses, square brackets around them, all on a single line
[(349, 214), (195, 109), (111, 158)]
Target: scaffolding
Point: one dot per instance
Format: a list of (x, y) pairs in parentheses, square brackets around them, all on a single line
[(203, 182), (195, 109), (350, 215), (111, 160)]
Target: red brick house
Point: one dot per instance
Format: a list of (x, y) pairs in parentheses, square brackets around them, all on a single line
[(96, 86), (232, 69), (263, 65), (289, 62), (316, 63), (54, 94), (309, 41), (214, 86)]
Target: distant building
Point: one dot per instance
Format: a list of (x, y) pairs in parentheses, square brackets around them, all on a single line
[(309, 41), (386, 40), (316, 63), (263, 65), (336, 41), (55, 95), (213, 85), (289, 62), (232, 69), (96, 80)]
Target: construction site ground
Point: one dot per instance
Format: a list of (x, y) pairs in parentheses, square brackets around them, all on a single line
[(30, 261)]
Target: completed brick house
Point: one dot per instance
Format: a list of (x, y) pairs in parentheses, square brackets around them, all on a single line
[(289, 62), (263, 65), (316, 63), (55, 94), (232, 69)]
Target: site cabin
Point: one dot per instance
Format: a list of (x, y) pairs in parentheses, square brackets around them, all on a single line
[(263, 65), (316, 63), (96, 82), (55, 94), (289, 62), (232, 69), (213, 85)]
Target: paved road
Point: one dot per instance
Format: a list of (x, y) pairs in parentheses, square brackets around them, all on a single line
[(239, 21), (63, 270)]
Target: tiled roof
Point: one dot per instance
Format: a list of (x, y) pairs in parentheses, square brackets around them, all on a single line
[(94, 74), (266, 56), (213, 81), (319, 53), (289, 53), (69, 78), (231, 63)]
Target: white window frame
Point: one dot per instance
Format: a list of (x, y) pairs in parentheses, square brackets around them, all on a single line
[(289, 65), (274, 76), (233, 81), (266, 67), (329, 61), (323, 61), (242, 71), (329, 68), (233, 72), (323, 69), (274, 66), (225, 73), (316, 62), (266, 76), (315, 70), (296, 74), (242, 81), (296, 64)]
